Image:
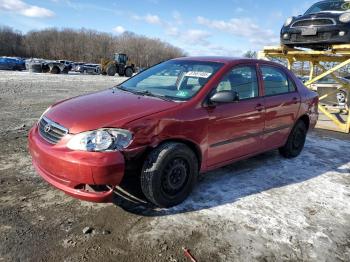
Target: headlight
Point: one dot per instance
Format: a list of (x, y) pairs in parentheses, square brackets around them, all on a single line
[(288, 21), (344, 18), (101, 140)]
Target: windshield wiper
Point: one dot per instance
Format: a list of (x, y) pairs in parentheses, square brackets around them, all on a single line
[(148, 93), (145, 93)]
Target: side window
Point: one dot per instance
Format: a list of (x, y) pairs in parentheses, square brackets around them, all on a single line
[(242, 80), (291, 85), (276, 81)]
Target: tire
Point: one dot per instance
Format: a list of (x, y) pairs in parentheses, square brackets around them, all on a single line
[(342, 97), (111, 70), (169, 174), (128, 72), (295, 142), (55, 70), (45, 69)]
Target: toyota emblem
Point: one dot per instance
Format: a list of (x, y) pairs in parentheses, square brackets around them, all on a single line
[(47, 128)]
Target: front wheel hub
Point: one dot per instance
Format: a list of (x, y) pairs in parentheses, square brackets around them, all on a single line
[(175, 176)]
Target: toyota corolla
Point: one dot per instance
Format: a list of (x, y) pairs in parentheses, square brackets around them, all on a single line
[(171, 122)]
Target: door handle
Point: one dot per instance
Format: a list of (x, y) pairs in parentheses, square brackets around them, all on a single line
[(259, 107), (295, 100)]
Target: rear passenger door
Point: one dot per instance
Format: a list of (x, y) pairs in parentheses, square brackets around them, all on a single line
[(282, 102)]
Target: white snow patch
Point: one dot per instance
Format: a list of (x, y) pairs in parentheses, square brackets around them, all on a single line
[(293, 208)]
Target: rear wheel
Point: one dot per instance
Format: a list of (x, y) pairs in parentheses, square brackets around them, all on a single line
[(341, 96), (295, 142), (169, 174), (55, 70)]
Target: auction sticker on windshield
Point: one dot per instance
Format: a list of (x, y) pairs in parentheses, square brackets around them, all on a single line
[(198, 74), (182, 93)]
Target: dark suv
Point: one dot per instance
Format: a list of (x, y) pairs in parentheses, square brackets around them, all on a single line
[(324, 24)]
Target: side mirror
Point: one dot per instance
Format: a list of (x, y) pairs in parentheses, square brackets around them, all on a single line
[(224, 97)]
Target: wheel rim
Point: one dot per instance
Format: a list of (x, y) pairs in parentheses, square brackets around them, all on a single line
[(341, 97), (175, 176), (298, 139)]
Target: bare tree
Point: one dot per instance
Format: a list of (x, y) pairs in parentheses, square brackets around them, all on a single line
[(85, 45), (250, 54)]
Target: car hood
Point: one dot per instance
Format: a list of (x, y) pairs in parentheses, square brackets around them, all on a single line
[(324, 14), (109, 108)]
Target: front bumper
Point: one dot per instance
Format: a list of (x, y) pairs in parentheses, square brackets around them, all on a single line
[(326, 35), (75, 171)]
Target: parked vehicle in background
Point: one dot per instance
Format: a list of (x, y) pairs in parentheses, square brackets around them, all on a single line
[(47, 66), (34, 65), (215, 111), (76, 65), (67, 65), (339, 96), (12, 63), (324, 24), (119, 65), (303, 79), (89, 69)]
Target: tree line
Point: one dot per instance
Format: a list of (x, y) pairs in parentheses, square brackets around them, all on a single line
[(85, 45)]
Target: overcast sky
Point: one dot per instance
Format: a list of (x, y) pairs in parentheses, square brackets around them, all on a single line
[(221, 27)]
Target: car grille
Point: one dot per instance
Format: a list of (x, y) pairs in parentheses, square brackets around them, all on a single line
[(51, 131), (314, 22), (304, 39)]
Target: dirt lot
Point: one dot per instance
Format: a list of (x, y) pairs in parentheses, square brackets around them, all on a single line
[(262, 209)]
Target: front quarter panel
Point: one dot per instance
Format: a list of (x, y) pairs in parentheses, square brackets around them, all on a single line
[(183, 124)]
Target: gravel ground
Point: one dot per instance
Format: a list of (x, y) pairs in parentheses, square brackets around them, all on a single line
[(263, 209)]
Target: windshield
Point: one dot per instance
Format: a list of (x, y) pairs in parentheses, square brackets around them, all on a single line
[(340, 6), (176, 80)]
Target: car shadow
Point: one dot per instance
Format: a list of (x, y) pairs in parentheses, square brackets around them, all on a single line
[(244, 178)]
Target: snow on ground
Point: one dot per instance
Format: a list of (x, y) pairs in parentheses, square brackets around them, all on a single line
[(297, 209), (266, 208)]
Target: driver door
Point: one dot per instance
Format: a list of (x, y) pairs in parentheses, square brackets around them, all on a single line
[(236, 129)]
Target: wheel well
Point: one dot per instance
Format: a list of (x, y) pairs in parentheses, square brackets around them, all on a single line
[(306, 120), (136, 162), (195, 148)]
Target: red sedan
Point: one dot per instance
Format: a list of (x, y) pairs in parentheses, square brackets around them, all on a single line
[(173, 121)]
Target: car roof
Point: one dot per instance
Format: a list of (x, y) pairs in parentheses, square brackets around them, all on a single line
[(219, 59), (226, 60)]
